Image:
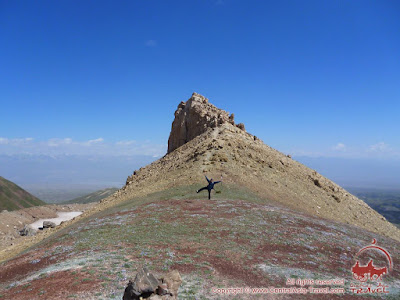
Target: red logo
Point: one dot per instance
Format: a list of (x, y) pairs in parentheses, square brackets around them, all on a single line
[(370, 271)]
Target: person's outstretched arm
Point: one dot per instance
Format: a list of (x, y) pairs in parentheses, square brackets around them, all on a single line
[(217, 182), (208, 180)]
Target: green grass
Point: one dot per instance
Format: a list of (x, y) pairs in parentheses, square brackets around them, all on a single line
[(103, 236), (159, 236), (188, 192), (13, 197), (93, 197)]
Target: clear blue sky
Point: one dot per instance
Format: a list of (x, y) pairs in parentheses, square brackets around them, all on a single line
[(308, 77)]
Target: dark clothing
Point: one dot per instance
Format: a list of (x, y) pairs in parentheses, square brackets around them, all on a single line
[(209, 187), (211, 183)]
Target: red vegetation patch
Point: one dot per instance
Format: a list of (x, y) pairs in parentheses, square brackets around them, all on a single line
[(313, 225), (243, 271), (184, 268), (58, 285), (25, 264), (31, 262)]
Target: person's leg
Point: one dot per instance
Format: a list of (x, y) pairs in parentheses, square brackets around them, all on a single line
[(209, 194), (202, 189)]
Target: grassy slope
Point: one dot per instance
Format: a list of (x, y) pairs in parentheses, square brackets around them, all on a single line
[(236, 239), (13, 197), (93, 197)]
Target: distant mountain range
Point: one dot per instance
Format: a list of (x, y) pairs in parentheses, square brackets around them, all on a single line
[(13, 197), (61, 170), (93, 197)]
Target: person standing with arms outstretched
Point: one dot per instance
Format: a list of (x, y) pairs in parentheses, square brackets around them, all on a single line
[(209, 187)]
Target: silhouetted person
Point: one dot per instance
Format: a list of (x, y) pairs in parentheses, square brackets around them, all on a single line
[(209, 187)]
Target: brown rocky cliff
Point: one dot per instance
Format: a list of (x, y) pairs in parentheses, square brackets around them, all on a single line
[(193, 118)]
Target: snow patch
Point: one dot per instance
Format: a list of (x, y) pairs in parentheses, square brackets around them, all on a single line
[(62, 216)]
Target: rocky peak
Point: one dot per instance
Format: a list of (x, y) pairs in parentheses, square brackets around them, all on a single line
[(194, 117)]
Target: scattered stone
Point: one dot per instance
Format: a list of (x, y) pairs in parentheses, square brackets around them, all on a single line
[(146, 286), (143, 286), (336, 198), (145, 282), (241, 126), (49, 224), (27, 231), (317, 183)]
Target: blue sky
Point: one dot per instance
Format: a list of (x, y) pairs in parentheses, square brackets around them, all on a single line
[(310, 78)]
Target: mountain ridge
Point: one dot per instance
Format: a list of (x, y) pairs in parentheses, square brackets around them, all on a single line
[(272, 219), (13, 197), (241, 158), (92, 197)]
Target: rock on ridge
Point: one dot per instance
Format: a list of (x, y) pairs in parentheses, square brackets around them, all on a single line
[(193, 118)]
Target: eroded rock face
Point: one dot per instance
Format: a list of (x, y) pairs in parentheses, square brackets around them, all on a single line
[(193, 118)]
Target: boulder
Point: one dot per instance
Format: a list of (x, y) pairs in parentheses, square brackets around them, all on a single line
[(130, 293), (49, 224), (144, 285), (27, 231), (145, 282)]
